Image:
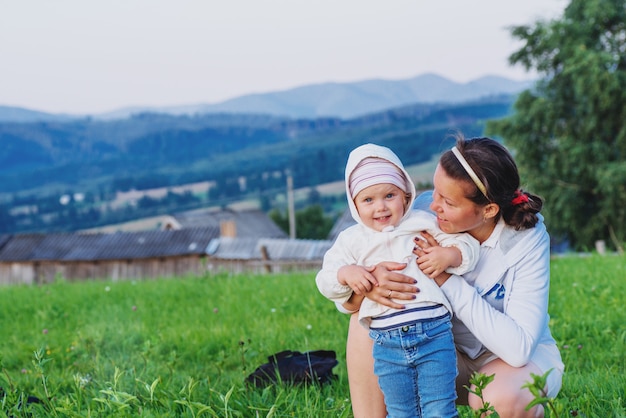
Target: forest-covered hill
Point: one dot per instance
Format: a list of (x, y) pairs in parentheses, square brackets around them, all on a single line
[(240, 154)]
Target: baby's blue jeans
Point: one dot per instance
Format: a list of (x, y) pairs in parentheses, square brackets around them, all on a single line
[(416, 368)]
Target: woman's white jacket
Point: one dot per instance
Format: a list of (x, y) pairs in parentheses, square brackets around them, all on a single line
[(502, 305)]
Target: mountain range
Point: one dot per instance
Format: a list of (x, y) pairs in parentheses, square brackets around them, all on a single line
[(337, 100), (64, 172)]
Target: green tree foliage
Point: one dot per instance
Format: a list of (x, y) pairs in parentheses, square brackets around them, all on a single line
[(280, 219), (568, 134), (311, 223)]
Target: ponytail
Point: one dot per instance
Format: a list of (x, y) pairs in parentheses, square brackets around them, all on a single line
[(521, 211)]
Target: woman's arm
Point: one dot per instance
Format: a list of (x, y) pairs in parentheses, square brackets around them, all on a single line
[(513, 334), (353, 303)]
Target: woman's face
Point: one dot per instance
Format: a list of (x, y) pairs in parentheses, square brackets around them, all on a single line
[(455, 212)]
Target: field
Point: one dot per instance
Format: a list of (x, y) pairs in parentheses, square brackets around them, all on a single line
[(184, 346)]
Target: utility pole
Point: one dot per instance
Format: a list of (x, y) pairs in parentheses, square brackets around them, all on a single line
[(290, 206)]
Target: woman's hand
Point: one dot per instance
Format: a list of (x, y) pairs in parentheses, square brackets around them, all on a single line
[(391, 285)]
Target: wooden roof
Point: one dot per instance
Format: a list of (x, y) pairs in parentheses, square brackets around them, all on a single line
[(117, 246)]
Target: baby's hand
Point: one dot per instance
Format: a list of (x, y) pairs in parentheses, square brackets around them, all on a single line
[(358, 278), (433, 259)]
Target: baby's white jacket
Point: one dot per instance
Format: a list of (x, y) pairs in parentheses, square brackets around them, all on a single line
[(365, 247), (361, 245)]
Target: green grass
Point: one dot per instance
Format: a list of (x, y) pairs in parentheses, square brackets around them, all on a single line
[(587, 307), (183, 347)]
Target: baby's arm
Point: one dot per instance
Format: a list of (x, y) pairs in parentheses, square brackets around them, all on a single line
[(358, 278), (340, 276)]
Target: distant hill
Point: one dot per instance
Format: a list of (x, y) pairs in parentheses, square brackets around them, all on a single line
[(19, 114), (335, 100), (349, 100)]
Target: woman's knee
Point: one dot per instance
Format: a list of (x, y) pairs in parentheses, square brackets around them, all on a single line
[(508, 404), (506, 393)]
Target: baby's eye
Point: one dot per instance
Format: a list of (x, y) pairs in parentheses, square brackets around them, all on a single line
[(390, 195), (367, 199)]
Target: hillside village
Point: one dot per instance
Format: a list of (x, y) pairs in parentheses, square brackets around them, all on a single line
[(239, 238), (168, 149)]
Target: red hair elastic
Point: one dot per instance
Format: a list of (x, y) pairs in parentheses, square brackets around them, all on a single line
[(519, 198)]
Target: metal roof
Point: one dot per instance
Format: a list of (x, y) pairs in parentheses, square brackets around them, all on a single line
[(227, 248), (295, 249), (277, 249)]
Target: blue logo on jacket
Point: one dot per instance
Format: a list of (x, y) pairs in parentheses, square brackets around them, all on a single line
[(498, 289)]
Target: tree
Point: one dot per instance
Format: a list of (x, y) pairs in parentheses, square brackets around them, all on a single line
[(311, 223), (281, 219), (568, 134)]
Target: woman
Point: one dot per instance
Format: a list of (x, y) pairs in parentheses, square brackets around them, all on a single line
[(500, 309)]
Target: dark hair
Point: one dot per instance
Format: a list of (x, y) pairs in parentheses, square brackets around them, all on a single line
[(495, 167)]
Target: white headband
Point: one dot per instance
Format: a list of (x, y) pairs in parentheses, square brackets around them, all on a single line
[(469, 171)]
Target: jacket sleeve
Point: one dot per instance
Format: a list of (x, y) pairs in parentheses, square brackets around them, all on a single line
[(513, 334), (336, 257)]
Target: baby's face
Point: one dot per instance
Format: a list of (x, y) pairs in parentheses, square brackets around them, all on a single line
[(381, 205)]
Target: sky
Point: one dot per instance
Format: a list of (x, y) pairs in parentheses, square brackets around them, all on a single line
[(90, 57)]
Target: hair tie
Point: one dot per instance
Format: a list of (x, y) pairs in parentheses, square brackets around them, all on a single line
[(519, 198)]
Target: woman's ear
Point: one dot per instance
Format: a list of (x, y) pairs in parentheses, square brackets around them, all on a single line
[(491, 211)]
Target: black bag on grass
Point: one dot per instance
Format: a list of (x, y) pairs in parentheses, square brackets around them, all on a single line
[(296, 368)]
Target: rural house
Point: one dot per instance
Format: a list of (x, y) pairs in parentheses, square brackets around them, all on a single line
[(40, 258), (252, 223), (191, 243)]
